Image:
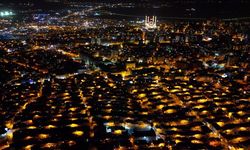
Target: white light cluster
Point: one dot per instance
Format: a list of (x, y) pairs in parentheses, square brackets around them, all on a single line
[(6, 13)]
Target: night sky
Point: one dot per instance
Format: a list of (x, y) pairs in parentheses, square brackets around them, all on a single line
[(176, 8)]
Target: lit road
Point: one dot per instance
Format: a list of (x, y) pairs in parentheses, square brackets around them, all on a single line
[(223, 140), (10, 123), (71, 55), (43, 71)]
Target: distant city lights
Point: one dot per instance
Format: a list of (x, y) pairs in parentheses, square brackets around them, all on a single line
[(6, 13)]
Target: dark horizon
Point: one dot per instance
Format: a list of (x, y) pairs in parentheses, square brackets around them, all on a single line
[(169, 8)]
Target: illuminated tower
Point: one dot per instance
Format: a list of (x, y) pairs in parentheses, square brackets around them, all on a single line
[(143, 37), (150, 22)]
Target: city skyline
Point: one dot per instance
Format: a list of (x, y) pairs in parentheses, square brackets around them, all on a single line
[(124, 75)]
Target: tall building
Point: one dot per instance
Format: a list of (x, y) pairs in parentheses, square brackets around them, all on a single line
[(143, 36)]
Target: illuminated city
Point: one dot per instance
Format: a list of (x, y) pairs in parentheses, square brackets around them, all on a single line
[(126, 74)]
